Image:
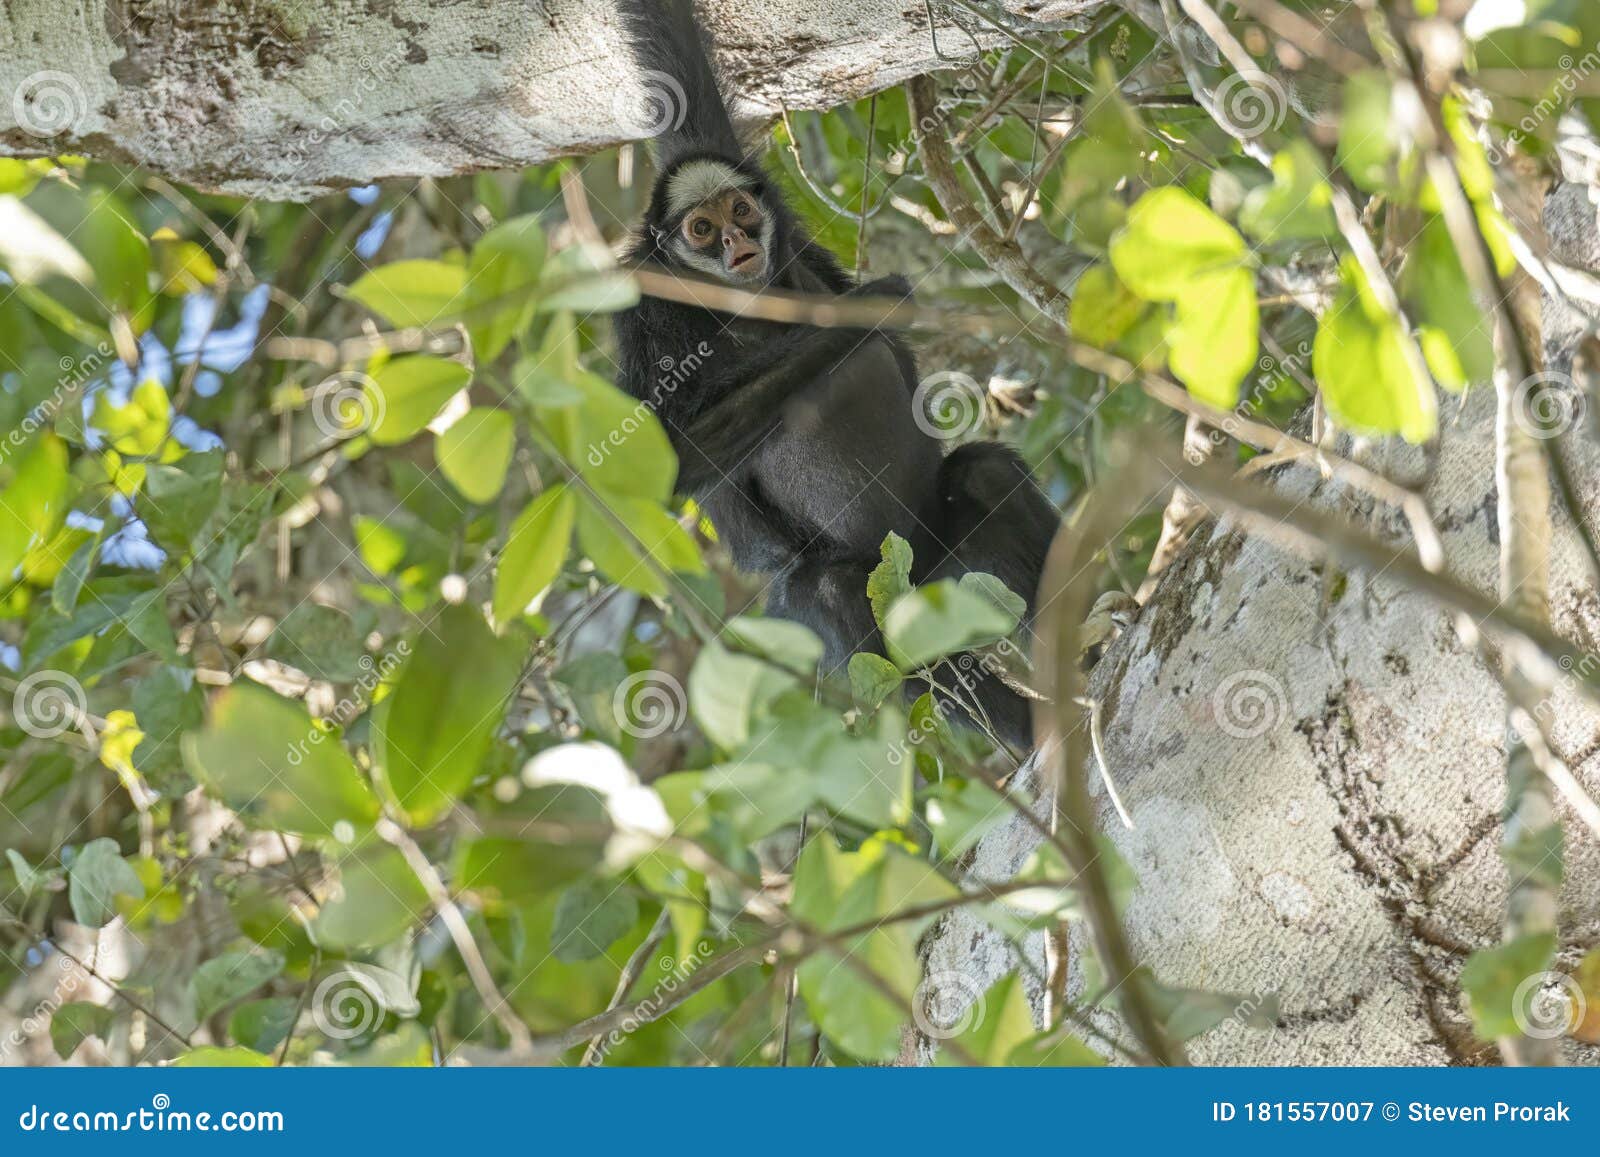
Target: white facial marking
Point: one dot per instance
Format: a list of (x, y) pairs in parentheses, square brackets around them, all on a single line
[(698, 181)]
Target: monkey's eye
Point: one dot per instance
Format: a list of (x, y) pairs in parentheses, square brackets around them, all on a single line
[(701, 228), (742, 208)]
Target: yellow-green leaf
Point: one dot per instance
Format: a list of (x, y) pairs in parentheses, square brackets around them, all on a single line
[(264, 757), (534, 552), (406, 394), (413, 293), (475, 451), (1360, 362)]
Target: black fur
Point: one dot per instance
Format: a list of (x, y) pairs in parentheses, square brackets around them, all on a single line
[(799, 442)]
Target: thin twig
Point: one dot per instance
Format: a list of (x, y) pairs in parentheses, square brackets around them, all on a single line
[(460, 934), (642, 955)]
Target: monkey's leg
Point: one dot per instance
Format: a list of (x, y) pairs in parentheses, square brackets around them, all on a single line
[(996, 519), (830, 597)]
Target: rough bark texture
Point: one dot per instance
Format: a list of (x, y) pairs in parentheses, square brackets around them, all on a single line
[(286, 98), (1315, 766)]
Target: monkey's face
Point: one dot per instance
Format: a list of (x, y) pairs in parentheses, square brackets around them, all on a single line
[(728, 236)]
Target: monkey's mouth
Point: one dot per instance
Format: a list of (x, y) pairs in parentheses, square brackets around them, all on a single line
[(746, 261)]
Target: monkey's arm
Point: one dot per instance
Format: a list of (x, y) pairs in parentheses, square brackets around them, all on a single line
[(774, 368), (718, 438)]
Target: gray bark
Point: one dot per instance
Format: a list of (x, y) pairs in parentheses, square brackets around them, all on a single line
[(287, 98)]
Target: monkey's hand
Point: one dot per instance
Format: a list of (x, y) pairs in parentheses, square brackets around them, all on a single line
[(892, 286)]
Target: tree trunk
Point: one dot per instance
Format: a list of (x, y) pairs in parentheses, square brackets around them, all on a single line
[(1314, 764)]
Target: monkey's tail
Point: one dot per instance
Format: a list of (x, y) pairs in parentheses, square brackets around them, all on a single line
[(682, 103)]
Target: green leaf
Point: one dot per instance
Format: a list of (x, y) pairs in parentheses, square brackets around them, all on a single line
[(615, 441), (586, 280), (941, 619), (1005, 600), (791, 646), (1213, 339), (140, 425), (413, 293), (409, 1046), (729, 692), (262, 1025), (617, 558), (181, 497), (34, 502), (407, 393), (504, 270), (535, 549), (220, 1058), (103, 230), (378, 899), (1367, 142), (1186, 1013), (872, 679), (1102, 308), (69, 581), (74, 1023), (475, 451), (1175, 249), (1498, 983), (1053, 1050), (99, 875), (1298, 205), (959, 812), (1455, 336), (1173, 244), (264, 757), (590, 917), (320, 641), (891, 578), (1360, 363), (995, 1027), (224, 979), (834, 889), (505, 872), (392, 992), (430, 734)]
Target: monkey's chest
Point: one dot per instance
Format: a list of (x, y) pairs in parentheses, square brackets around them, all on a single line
[(849, 462)]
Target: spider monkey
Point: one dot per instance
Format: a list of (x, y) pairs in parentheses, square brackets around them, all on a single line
[(800, 442)]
